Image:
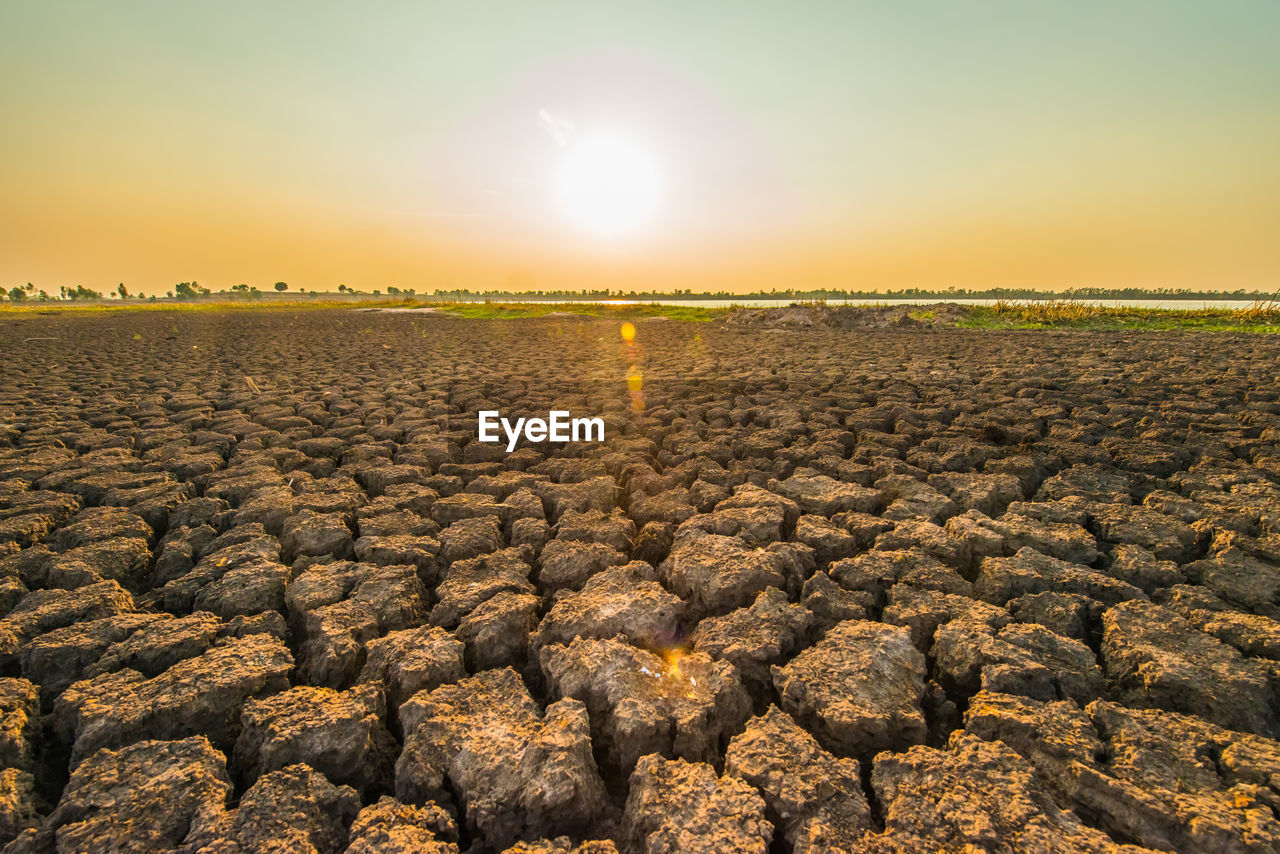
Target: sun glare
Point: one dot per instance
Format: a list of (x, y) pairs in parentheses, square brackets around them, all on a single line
[(608, 186)]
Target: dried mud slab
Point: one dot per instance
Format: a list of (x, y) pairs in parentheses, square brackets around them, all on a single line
[(294, 809), (339, 733), (676, 805), (142, 797), (975, 793), (829, 583), (1163, 780), (1157, 659), (814, 798), (678, 704), (390, 826), (859, 689), (201, 695), (518, 771)]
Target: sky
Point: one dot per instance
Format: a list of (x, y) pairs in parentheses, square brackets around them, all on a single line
[(627, 145)]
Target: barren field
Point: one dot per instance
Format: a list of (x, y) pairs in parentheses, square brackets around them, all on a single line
[(884, 590)]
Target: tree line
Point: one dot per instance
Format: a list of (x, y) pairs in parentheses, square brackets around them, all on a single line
[(1089, 293), (194, 290)]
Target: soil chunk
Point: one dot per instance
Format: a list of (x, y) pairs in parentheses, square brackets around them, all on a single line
[(293, 809), (390, 827), (678, 704), (202, 695), (754, 638), (340, 734), (858, 689), (1156, 659), (519, 772), (814, 798), (975, 793), (623, 601), (715, 574), (143, 797), (676, 805)]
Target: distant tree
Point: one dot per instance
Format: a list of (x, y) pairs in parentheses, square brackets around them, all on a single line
[(391, 289), (342, 289), (122, 290), (81, 292), (241, 288), (17, 294), (281, 287), (188, 290)]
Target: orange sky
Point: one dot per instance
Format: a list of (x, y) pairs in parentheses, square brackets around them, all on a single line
[(821, 145)]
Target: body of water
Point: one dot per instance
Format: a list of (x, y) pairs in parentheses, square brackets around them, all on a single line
[(771, 303)]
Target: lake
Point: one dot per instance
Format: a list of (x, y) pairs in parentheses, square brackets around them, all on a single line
[(769, 303)]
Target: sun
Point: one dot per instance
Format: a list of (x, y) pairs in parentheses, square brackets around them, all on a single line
[(608, 186)]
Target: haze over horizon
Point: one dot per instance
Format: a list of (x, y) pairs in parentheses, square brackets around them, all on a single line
[(658, 145)]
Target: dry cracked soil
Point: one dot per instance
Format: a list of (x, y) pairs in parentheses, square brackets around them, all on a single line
[(820, 589)]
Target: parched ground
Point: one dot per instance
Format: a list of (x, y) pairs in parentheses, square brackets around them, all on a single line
[(886, 590)]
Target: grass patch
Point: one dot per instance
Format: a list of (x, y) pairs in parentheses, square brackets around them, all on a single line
[(1262, 316)]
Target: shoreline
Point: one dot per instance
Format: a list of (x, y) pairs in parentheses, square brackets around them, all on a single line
[(1262, 318)]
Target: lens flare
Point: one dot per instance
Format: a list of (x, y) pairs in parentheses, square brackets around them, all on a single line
[(635, 387), (635, 380)]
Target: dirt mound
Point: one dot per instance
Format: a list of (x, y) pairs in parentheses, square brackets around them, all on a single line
[(846, 317)]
